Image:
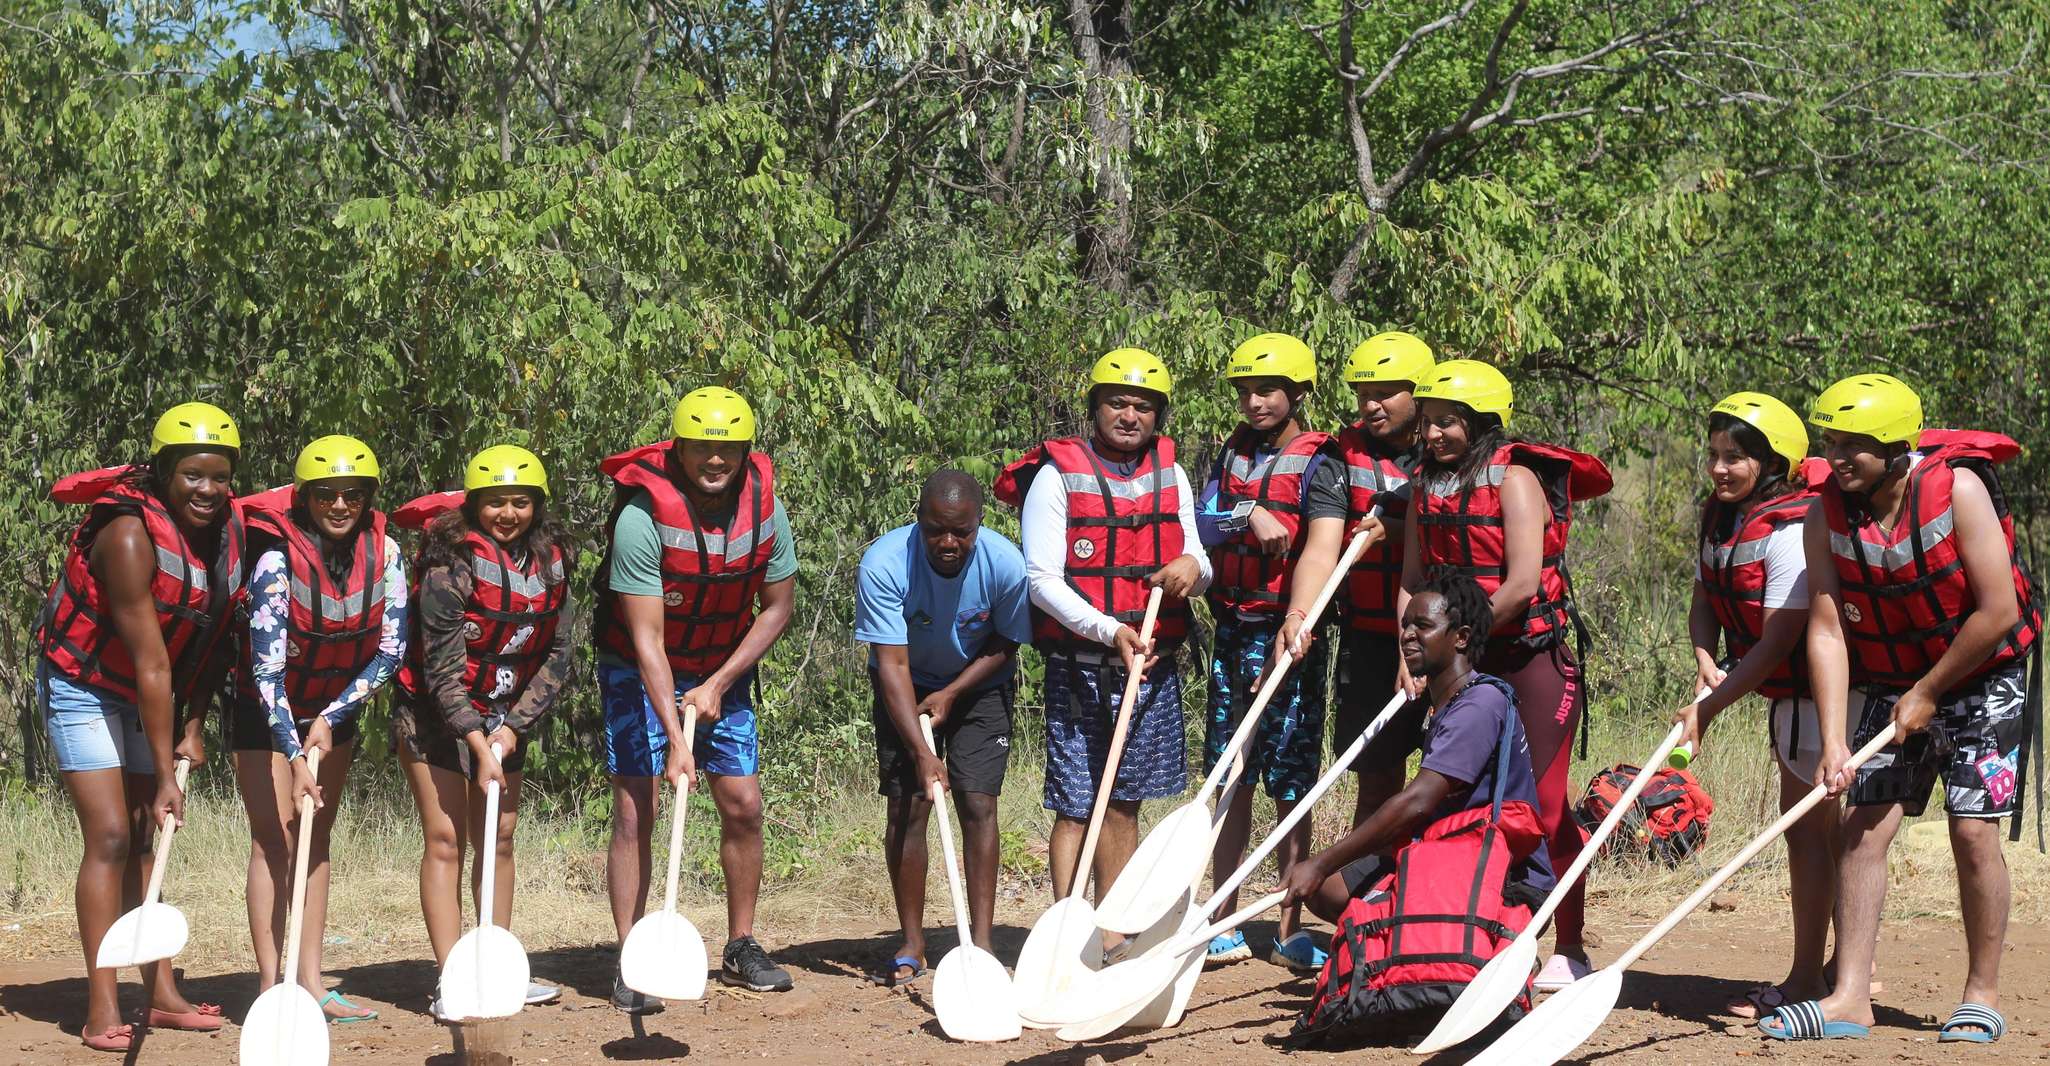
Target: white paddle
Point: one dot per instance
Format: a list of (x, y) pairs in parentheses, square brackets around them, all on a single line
[(486, 973), (1128, 987), (664, 954), (1505, 975), (971, 990), (1173, 855), (1064, 944), (285, 1026), (1563, 1022), (152, 930), (1086, 1000)]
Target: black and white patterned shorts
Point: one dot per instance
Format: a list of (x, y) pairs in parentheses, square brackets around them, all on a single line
[(1974, 745)]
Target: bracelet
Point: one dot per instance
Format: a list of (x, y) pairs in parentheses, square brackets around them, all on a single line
[(1297, 612)]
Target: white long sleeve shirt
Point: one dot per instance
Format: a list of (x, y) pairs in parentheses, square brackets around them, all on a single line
[(1043, 529)]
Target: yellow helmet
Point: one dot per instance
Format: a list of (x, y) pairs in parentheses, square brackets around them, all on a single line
[(1390, 356), (1778, 422), (1471, 382), (1273, 355), (504, 466), (713, 413), (334, 456), (1132, 366), (1880, 406), (194, 423)]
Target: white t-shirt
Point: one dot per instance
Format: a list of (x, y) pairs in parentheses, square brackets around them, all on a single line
[(1043, 533), (1786, 568)]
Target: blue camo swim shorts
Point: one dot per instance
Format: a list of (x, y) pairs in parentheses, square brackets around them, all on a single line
[(1288, 745)]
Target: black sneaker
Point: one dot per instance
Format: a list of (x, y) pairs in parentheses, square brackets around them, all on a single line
[(632, 1002), (745, 964)]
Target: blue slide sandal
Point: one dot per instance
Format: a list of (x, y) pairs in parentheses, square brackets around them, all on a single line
[(1804, 1021), (1987, 1025)]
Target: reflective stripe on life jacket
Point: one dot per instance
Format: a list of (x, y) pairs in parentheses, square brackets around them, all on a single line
[(193, 599), (1248, 580), (1732, 576), (1904, 593), (1374, 478), (509, 622), (1120, 530), (334, 625), (1462, 527), (712, 577)]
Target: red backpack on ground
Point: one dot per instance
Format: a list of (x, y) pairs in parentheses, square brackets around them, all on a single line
[(1668, 821), (1406, 949)]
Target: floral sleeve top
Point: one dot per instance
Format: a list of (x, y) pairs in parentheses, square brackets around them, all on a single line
[(270, 615)]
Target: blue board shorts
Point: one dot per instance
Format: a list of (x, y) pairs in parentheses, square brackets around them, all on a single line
[(91, 729), (1081, 707), (636, 745)]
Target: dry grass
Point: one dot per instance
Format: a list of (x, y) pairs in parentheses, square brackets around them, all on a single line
[(828, 858)]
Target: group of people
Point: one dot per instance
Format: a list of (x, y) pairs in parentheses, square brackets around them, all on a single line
[(1882, 579)]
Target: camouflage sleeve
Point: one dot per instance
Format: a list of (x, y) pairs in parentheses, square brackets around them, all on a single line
[(444, 592), (539, 697)]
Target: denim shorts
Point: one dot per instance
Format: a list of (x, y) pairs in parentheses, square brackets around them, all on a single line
[(636, 745), (91, 729)]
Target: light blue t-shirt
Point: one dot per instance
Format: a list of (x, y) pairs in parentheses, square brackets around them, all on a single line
[(942, 621)]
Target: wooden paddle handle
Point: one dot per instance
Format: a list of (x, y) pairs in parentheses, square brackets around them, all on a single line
[(1278, 670), (163, 855), (939, 804), (1117, 751), (1729, 869), (678, 805), (302, 848)]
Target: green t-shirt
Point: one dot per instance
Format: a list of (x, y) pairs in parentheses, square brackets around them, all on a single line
[(637, 548)]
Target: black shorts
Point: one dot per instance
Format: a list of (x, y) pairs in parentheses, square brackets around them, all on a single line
[(1972, 747), (1367, 666), (249, 728), (420, 731), (1360, 875), (975, 741)]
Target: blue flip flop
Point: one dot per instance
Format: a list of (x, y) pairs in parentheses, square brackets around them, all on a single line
[(1804, 1021), (346, 1019), (889, 979), (1990, 1025)]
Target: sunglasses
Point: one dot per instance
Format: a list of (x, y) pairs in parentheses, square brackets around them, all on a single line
[(326, 497)]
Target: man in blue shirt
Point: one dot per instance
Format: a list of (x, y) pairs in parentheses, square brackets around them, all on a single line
[(943, 605)]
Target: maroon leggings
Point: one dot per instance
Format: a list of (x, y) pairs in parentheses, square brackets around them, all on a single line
[(1549, 700)]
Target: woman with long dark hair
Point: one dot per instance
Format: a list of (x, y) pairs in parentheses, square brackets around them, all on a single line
[(1751, 603), (489, 656), (129, 638), (327, 629), (1497, 509)]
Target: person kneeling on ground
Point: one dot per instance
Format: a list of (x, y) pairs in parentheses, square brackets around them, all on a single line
[(1475, 772), (943, 607)]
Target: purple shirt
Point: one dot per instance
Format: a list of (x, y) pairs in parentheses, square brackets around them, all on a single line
[(1462, 741)]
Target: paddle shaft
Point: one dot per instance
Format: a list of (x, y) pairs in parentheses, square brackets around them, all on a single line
[(682, 801), (1136, 675), (1277, 672), (163, 855), (487, 860), (1601, 833), (303, 850), (1729, 869), (1339, 767), (939, 805)]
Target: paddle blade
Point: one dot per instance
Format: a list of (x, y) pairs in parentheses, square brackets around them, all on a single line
[(486, 975), (1125, 990), (1490, 991), (284, 1027), (1165, 1012), (1061, 953), (973, 997), (1559, 1024), (664, 957), (1159, 874), (150, 932)]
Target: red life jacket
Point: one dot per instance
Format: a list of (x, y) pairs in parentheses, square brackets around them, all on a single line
[(193, 599), (1373, 479), (333, 627), (1904, 594), (1409, 945), (1120, 530), (711, 576), (1248, 580), (1462, 528), (1732, 575)]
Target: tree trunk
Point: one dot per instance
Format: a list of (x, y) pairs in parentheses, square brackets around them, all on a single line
[(1103, 234)]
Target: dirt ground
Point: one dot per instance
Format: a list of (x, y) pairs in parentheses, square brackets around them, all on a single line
[(1670, 1009)]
